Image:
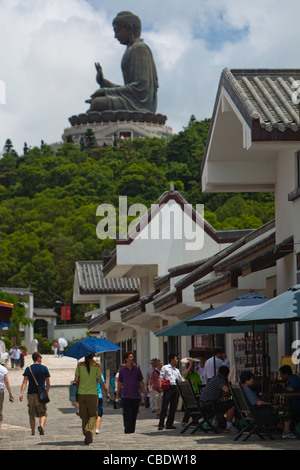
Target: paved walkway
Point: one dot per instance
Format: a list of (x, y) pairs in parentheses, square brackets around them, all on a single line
[(63, 427)]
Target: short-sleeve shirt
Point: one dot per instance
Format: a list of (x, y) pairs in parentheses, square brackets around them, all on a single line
[(213, 389), (214, 363), (41, 373), (88, 381), (130, 379), (99, 387), (171, 373), (250, 395), (196, 382)]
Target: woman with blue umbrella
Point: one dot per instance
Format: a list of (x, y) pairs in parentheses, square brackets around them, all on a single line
[(87, 374)]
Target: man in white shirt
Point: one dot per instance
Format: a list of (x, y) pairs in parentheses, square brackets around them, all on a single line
[(170, 395), (213, 364)]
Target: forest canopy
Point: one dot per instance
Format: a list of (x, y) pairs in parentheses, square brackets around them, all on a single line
[(48, 202)]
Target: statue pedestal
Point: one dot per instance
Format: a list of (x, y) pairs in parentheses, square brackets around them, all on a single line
[(111, 125)]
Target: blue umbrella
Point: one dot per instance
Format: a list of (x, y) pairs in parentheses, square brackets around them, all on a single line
[(91, 346)]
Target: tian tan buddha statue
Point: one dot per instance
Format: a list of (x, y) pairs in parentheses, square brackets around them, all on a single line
[(139, 92)]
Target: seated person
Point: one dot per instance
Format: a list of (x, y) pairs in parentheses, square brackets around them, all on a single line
[(293, 386), (139, 92), (263, 409), (195, 379), (210, 399)]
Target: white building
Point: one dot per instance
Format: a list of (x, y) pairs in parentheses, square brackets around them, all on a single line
[(254, 146), (162, 259)]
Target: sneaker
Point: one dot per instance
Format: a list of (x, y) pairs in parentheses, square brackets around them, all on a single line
[(231, 429), (41, 430), (288, 435), (97, 431)]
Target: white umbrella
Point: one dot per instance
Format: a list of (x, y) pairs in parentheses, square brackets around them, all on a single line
[(185, 360), (63, 342)]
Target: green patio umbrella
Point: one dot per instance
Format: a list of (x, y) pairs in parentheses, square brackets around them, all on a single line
[(183, 328), (281, 309)]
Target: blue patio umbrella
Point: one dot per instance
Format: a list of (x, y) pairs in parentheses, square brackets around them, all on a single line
[(229, 314), (89, 346)]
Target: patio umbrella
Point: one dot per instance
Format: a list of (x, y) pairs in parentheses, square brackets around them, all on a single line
[(187, 328), (91, 346), (281, 309), (229, 314)]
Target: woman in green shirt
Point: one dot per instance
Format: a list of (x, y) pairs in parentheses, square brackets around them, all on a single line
[(194, 377), (87, 374)]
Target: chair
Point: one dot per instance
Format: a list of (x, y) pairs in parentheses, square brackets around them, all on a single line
[(254, 424), (199, 417)]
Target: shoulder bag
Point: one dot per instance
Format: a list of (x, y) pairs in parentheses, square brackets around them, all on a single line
[(42, 394)]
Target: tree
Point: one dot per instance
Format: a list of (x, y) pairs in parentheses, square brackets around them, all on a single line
[(9, 148), (48, 203), (18, 317)]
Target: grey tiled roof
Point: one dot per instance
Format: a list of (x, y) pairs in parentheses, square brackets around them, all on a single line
[(265, 95), (91, 280)]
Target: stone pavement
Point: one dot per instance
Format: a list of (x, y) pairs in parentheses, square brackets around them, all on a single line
[(63, 427)]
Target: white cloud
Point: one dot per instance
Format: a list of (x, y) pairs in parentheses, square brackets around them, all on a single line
[(49, 48)]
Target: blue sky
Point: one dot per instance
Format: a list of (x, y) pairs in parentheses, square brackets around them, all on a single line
[(50, 46)]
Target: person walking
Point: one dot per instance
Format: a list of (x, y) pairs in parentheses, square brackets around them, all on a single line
[(170, 396), (55, 348), (87, 375), (36, 409), (154, 387), (131, 380), (4, 381), (17, 356), (100, 402)]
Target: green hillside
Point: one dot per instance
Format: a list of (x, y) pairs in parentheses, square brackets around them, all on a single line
[(48, 203)]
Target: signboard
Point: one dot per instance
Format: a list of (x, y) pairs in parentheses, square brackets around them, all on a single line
[(65, 313), (287, 361)]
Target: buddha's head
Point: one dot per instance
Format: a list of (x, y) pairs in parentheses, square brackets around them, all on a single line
[(127, 27)]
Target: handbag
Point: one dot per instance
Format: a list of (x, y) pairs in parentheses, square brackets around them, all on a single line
[(42, 393), (165, 384)]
